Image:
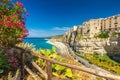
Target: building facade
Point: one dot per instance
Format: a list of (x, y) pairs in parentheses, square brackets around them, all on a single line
[(93, 27), (111, 23)]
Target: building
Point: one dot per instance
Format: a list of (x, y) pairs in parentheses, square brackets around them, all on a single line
[(93, 27), (111, 23)]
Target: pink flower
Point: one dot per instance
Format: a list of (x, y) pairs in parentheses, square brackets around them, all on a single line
[(1, 22), (21, 24), (8, 18), (15, 16), (20, 4), (26, 31), (22, 36), (9, 24), (19, 11)]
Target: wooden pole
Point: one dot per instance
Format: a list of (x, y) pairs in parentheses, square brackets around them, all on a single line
[(49, 70), (30, 72), (40, 70)]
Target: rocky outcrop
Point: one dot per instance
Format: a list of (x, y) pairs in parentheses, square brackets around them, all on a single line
[(85, 44), (90, 46), (84, 38)]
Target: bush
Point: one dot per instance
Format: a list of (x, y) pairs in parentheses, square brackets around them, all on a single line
[(114, 33), (103, 35), (12, 31), (57, 70), (12, 22)]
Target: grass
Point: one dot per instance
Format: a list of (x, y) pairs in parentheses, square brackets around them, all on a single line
[(103, 61)]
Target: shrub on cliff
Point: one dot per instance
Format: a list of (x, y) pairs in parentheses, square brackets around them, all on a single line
[(103, 35)]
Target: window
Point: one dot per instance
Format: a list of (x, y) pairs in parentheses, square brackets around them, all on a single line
[(115, 28), (109, 29)]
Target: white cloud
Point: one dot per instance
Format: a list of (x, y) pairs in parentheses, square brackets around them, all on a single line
[(47, 33), (37, 33), (61, 28)]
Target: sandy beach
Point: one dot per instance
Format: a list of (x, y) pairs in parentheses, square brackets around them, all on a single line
[(62, 49)]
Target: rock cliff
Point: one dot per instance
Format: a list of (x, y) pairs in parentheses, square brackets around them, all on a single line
[(85, 44)]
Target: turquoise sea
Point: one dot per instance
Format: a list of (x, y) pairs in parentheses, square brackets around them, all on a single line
[(39, 43)]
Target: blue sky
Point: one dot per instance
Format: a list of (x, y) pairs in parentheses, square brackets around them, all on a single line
[(52, 17)]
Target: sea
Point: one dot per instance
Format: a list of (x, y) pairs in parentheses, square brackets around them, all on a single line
[(39, 43)]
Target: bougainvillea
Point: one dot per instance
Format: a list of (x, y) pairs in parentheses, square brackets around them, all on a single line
[(12, 31)]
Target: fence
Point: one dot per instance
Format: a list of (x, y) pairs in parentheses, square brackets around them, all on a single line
[(49, 63)]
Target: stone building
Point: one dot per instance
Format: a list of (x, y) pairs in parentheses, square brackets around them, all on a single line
[(91, 27), (95, 26), (111, 23)]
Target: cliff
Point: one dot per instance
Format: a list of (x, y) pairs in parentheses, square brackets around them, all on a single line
[(85, 39)]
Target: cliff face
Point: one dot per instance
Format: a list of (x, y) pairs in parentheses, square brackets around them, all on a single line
[(85, 43)]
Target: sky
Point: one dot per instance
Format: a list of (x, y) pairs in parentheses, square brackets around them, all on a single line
[(55, 17)]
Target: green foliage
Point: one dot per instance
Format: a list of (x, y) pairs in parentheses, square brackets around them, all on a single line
[(58, 67), (114, 33), (45, 52), (103, 61), (1, 71), (88, 31), (103, 35), (12, 22), (54, 49), (3, 62), (12, 32), (98, 78), (58, 70), (68, 73)]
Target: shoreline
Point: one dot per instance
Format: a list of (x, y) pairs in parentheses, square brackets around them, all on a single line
[(62, 48), (53, 44)]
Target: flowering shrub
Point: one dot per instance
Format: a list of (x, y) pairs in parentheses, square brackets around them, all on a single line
[(12, 22), (12, 31)]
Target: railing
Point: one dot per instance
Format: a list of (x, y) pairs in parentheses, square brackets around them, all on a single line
[(49, 62), (81, 68)]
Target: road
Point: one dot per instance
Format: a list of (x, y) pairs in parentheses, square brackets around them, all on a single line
[(88, 64)]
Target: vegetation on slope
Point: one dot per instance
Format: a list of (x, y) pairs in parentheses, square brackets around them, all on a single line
[(103, 35), (58, 37), (103, 61)]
